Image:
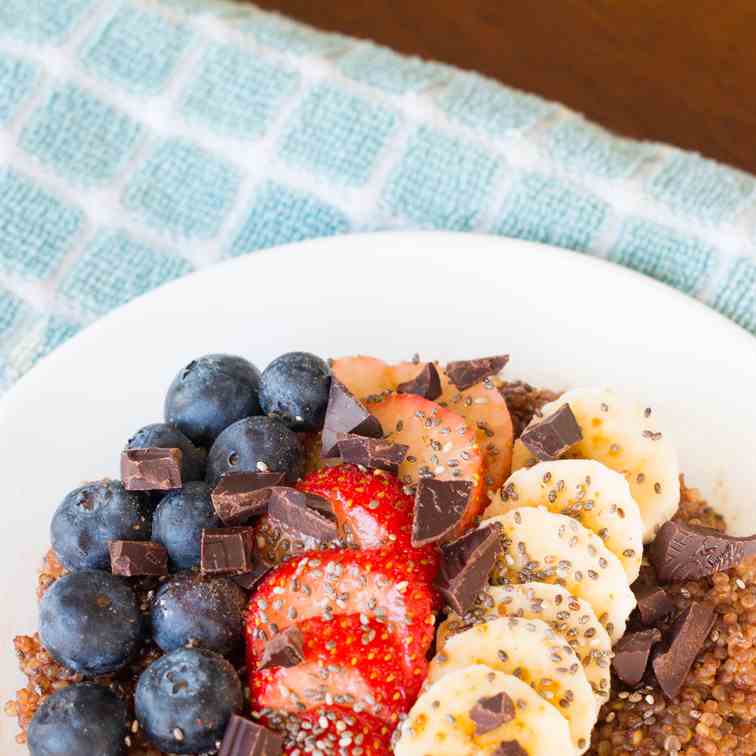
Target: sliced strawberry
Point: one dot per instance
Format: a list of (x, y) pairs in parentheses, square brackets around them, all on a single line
[(371, 506), (485, 410), (350, 660), (364, 376), (481, 405), (389, 585), (330, 730), (441, 445)]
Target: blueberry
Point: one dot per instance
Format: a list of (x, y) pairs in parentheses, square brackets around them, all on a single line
[(256, 443), (205, 610), (210, 393), (294, 387), (92, 515), (165, 436), (89, 621), (82, 718), (179, 520), (184, 700)]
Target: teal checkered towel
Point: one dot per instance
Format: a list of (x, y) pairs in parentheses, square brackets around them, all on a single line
[(142, 139)]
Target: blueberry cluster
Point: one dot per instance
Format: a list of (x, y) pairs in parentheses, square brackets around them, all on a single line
[(222, 415)]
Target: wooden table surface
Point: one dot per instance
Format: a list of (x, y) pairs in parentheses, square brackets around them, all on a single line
[(677, 71)]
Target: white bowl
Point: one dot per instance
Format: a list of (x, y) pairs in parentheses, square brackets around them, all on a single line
[(567, 320)]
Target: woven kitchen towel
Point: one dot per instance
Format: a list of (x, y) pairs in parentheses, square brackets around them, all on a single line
[(142, 139)]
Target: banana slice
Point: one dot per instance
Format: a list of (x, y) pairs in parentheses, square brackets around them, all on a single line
[(539, 546), (531, 651), (440, 724), (571, 618), (624, 436), (594, 495)]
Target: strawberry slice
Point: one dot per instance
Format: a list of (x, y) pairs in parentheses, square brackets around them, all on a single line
[(481, 405), (485, 410), (370, 506), (350, 660), (388, 585), (365, 376), (330, 730), (441, 445)]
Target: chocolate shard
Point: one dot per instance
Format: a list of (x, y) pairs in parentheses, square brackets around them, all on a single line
[(687, 637), (426, 383), (249, 580), (466, 373), (491, 712), (346, 414), (286, 649), (510, 748), (151, 469), (466, 564), (439, 507), (687, 552), (631, 655), (299, 512), (238, 497), (132, 558), (654, 604), (227, 551), (245, 738), (375, 453), (549, 438)]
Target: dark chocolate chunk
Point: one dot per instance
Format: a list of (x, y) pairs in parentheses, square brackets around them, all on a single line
[(346, 414), (238, 497), (687, 552), (631, 655), (466, 565), (426, 383), (492, 712), (466, 373), (686, 639), (245, 738), (300, 512), (549, 438), (286, 649), (439, 506), (249, 580), (227, 551), (375, 453), (510, 748), (151, 469), (654, 604), (132, 558)]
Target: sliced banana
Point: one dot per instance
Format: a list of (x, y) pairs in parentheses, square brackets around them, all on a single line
[(570, 617), (439, 723), (539, 546), (531, 651), (596, 496), (625, 437)]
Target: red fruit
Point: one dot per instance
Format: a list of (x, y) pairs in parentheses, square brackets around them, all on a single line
[(485, 410), (339, 730), (370, 506), (387, 585), (441, 445), (366, 376), (482, 406), (349, 660)]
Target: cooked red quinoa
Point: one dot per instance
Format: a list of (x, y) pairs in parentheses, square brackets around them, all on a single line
[(715, 712), (524, 401)]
